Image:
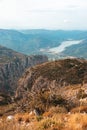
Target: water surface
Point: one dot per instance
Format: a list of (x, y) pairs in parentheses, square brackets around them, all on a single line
[(63, 46)]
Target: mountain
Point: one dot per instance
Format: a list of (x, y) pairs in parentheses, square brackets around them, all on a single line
[(12, 66), (77, 50), (53, 83), (39, 41), (49, 96)]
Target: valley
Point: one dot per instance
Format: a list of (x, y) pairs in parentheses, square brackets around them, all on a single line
[(43, 80), (40, 41), (43, 65), (63, 46)]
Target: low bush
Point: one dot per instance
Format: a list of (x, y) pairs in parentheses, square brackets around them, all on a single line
[(58, 109)]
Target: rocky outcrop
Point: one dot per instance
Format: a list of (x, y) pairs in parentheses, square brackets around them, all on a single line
[(12, 66), (51, 84), (53, 75), (57, 73)]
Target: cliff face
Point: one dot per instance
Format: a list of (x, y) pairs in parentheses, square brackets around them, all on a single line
[(12, 66)]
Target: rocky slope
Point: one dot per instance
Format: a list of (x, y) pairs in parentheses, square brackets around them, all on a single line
[(57, 73), (12, 66), (52, 83)]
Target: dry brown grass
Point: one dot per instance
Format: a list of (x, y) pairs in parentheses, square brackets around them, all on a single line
[(77, 122), (80, 109), (7, 109), (58, 121), (58, 109), (26, 117), (20, 121)]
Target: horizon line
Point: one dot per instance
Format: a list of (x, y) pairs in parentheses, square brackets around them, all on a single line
[(45, 29)]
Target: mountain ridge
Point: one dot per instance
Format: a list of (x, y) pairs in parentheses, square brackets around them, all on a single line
[(33, 41), (41, 85)]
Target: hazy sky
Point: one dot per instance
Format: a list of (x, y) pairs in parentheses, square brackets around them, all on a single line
[(48, 14)]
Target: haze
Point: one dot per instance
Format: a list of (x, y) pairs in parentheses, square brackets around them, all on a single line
[(47, 14)]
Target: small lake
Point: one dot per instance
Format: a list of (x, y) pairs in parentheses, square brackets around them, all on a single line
[(63, 46)]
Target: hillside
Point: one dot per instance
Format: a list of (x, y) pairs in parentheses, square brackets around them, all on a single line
[(41, 41), (52, 83), (49, 96), (12, 66), (8, 55), (77, 50)]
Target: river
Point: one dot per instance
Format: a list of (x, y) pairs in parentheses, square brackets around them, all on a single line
[(63, 46)]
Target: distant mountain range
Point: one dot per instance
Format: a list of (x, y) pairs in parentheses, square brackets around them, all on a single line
[(37, 41)]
